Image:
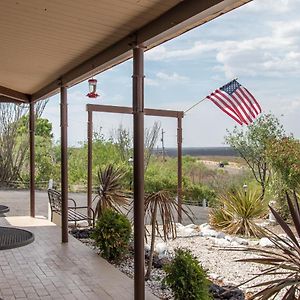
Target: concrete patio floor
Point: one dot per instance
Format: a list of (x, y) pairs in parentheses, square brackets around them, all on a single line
[(48, 269)]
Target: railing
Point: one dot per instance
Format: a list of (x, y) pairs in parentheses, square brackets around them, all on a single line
[(196, 202), (18, 184), (44, 185)]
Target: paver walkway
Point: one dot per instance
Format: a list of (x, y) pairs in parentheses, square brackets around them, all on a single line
[(48, 269)]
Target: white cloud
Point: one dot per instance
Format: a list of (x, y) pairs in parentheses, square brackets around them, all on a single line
[(274, 55), (276, 6), (171, 77), (151, 82), (162, 76)]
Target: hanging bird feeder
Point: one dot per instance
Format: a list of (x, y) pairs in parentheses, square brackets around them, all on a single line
[(92, 88)]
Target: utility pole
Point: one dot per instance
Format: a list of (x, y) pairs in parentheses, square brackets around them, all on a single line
[(163, 145)]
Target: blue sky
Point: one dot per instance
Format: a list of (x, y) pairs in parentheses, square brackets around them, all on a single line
[(259, 43)]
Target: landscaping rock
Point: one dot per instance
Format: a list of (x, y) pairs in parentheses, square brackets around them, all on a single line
[(228, 238), (222, 243), (240, 241), (161, 248), (265, 242), (187, 231), (209, 233), (226, 292), (81, 233), (159, 263)]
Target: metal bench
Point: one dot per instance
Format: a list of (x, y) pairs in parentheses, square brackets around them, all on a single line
[(73, 214)]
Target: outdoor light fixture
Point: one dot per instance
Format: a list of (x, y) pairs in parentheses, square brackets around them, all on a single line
[(130, 161), (245, 187), (92, 88)]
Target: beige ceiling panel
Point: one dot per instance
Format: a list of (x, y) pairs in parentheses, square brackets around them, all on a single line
[(42, 39), (45, 40)]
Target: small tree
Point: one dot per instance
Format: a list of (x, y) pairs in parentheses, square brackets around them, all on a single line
[(14, 139), (284, 157), (252, 143)]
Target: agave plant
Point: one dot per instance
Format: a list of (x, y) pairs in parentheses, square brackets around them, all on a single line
[(237, 210), (161, 208), (110, 193), (284, 261)]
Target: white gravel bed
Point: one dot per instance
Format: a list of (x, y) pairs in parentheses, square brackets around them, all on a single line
[(220, 262)]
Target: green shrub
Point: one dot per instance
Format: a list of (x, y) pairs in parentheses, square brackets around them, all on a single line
[(198, 192), (186, 277), (112, 234)]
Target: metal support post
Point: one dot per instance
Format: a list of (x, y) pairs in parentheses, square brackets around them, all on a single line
[(138, 172), (64, 163), (179, 168), (90, 161), (32, 158)]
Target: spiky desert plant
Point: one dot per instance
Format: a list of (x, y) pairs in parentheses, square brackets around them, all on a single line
[(110, 193), (237, 210), (161, 208), (283, 261)]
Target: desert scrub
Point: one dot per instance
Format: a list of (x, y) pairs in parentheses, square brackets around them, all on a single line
[(186, 277), (236, 212), (112, 235)]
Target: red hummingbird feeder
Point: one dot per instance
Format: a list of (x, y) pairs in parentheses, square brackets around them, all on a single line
[(92, 88)]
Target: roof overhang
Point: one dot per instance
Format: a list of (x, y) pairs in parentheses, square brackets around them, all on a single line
[(163, 22)]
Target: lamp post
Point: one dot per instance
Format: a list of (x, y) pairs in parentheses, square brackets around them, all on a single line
[(245, 187), (130, 162)]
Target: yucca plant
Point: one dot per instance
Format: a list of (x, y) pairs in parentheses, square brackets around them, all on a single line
[(237, 210), (110, 193), (161, 207), (284, 261)]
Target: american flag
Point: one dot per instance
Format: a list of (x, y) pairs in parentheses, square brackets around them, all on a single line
[(237, 102)]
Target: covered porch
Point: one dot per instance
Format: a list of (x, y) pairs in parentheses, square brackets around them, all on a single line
[(50, 46), (49, 269)]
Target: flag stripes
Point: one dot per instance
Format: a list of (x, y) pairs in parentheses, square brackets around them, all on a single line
[(237, 102)]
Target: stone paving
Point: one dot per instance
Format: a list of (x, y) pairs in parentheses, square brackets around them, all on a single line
[(48, 269)]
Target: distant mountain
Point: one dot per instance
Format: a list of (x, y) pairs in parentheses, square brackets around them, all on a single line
[(200, 151)]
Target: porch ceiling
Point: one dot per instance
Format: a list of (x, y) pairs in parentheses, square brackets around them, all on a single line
[(48, 43)]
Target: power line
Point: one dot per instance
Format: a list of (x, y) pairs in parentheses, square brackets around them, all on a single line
[(163, 144)]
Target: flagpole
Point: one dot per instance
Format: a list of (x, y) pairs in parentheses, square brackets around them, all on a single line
[(194, 105), (204, 99)]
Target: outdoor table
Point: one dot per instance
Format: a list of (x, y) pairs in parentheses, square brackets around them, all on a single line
[(3, 209), (14, 237)]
